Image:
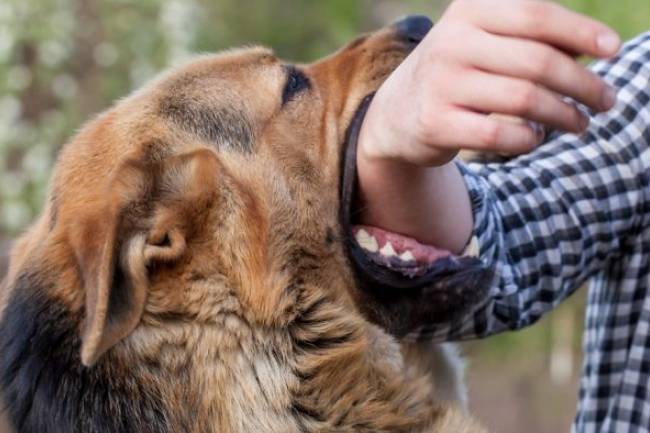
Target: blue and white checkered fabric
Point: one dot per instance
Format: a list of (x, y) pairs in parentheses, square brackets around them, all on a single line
[(577, 210)]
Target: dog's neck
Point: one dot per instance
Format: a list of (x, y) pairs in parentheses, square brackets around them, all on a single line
[(45, 387), (175, 375)]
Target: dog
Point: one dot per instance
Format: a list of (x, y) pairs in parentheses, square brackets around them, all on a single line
[(197, 267)]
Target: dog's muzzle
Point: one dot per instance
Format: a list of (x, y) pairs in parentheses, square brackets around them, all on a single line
[(407, 278)]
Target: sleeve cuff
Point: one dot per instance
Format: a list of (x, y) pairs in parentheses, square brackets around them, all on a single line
[(478, 196), (487, 241)]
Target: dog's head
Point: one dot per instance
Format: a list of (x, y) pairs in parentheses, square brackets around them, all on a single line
[(227, 181)]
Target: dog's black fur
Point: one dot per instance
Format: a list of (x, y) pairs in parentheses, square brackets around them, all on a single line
[(46, 388)]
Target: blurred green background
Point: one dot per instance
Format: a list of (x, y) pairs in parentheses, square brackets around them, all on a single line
[(61, 61)]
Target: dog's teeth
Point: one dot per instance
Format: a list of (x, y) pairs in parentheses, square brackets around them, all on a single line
[(407, 256), (472, 250), (366, 241), (388, 250)]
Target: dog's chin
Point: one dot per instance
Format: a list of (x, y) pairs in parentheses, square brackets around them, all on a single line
[(403, 285)]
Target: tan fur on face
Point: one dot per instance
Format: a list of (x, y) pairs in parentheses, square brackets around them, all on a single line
[(192, 234)]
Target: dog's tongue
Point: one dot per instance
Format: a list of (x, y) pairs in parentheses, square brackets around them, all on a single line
[(388, 244)]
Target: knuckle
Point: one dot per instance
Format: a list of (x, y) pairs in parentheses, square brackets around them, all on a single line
[(544, 63), (442, 51), (459, 7), (490, 135), (536, 12), (464, 10), (536, 16), (425, 123), (524, 98)]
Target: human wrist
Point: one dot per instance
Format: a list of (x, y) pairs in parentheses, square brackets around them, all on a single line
[(406, 185), (429, 204)]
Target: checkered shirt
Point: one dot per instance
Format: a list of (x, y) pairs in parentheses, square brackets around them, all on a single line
[(576, 210)]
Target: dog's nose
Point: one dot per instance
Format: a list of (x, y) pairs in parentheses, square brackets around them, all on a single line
[(413, 28)]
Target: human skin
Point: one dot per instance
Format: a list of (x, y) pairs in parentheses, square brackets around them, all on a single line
[(513, 58)]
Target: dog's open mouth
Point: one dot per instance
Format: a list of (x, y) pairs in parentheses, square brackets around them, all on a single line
[(399, 271), (401, 254), (394, 251), (390, 258)]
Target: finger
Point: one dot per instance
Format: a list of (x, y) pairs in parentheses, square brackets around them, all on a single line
[(545, 22), (540, 64), (480, 132), (539, 129), (489, 93)]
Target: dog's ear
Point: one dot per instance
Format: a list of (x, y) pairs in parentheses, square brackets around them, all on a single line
[(145, 220)]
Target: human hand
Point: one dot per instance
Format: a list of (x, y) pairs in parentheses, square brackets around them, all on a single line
[(510, 57)]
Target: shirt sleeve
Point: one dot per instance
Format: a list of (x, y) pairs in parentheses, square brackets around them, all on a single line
[(550, 220)]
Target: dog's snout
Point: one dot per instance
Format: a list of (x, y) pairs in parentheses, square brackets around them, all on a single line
[(413, 28)]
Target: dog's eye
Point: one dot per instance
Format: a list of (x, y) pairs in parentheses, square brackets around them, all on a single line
[(296, 83)]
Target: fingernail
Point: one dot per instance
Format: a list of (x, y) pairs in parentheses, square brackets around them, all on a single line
[(539, 131), (608, 43), (584, 122), (609, 97)]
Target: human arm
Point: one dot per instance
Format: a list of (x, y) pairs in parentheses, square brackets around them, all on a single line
[(482, 57), (567, 212), (549, 220)]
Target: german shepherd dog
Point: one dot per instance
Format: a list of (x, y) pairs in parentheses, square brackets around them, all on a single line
[(197, 269)]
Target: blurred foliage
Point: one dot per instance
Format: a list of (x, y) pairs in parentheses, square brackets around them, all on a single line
[(61, 61), (294, 28)]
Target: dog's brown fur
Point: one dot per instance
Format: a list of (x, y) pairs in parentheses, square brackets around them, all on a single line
[(190, 256)]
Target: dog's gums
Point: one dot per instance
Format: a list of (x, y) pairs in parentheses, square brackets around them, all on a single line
[(396, 251)]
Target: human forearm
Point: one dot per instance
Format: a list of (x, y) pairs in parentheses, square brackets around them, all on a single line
[(438, 191), (550, 220), (482, 58)]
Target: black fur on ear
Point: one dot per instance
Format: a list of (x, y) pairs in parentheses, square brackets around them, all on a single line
[(45, 388)]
